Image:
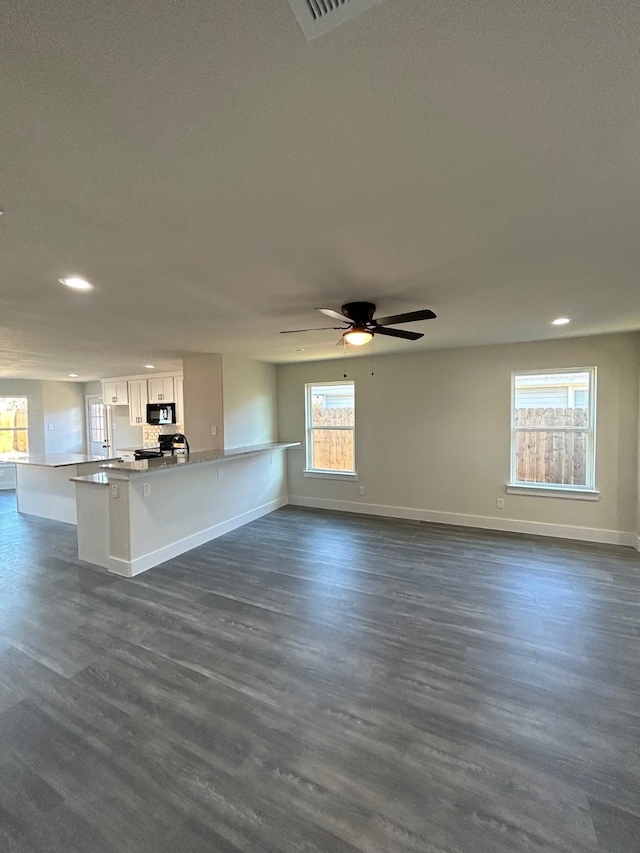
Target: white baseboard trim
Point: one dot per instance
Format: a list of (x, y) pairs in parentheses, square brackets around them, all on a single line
[(129, 569), (510, 525)]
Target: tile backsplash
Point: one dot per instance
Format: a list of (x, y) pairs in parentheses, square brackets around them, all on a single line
[(150, 433)]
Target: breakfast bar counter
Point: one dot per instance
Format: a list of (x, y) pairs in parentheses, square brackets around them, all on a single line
[(151, 510)]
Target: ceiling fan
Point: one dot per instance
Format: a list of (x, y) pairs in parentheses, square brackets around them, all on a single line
[(361, 325)]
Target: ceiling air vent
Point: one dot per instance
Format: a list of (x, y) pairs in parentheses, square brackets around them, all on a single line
[(319, 16)]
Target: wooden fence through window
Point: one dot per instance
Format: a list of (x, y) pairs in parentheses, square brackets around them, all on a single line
[(333, 448), (554, 452), (13, 431)]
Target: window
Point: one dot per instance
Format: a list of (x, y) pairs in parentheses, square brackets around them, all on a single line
[(14, 435), (330, 428), (553, 429), (97, 423)]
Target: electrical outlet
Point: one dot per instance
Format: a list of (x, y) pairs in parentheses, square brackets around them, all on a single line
[(500, 503), (146, 489), (49, 426), (361, 490), (214, 430), (220, 473), (271, 460), (115, 490)]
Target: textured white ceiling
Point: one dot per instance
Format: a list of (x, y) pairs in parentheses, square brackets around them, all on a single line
[(218, 176)]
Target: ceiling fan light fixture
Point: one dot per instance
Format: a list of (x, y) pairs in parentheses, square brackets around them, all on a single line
[(76, 283), (358, 336)]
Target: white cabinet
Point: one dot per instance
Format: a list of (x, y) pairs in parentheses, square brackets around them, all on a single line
[(137, 391), (178, 384), (138, 398), (115, 393), (161, 389)]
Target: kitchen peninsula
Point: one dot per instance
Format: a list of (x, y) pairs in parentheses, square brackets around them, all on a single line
[(43, 487), (135, 515)]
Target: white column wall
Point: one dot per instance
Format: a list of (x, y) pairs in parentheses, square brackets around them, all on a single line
[(64, 417), (249, 402), (203, 407)]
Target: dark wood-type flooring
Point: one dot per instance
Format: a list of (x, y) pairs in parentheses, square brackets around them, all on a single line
[(322, 683)]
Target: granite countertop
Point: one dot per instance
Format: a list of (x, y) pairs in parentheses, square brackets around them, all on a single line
[(195, 458), (60, 460), (99, 479)]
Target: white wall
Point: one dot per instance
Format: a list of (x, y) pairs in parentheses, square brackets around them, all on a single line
[(203, 401), (93, 388), (59, 404), (249, 402), (64, 417), (433, 436)]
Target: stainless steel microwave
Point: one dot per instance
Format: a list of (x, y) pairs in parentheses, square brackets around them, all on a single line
[(159, 414)]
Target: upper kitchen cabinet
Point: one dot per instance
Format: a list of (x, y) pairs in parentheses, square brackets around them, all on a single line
[(162, 389), (115, 393), (138, 398), (137, 391)]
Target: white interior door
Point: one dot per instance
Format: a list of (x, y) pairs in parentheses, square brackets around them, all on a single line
[(99, 436)]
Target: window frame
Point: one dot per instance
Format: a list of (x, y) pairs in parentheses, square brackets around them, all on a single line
[(569, 490), (326, 473)]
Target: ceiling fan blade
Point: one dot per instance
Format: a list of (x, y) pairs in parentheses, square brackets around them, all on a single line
[(398, 333), (411, 317), (335, 314), (321, 329)]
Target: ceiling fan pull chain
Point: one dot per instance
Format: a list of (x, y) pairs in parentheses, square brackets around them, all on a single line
[(344, 355)]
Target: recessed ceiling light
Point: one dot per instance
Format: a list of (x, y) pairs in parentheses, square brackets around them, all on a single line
[(76, 283), (298, 349), (150, 366), (560, 321), (73, 375)]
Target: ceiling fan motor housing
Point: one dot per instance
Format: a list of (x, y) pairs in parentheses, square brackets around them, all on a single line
[(359, 313)]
